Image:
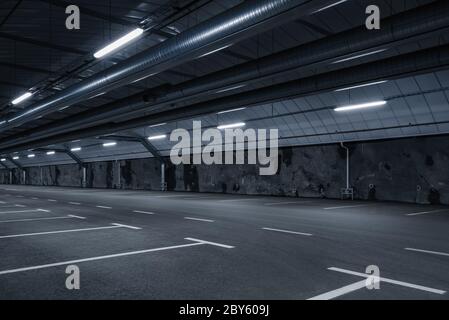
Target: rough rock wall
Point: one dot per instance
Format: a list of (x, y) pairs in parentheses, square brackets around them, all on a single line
[(408, 170), (140, 174), (304, 172)]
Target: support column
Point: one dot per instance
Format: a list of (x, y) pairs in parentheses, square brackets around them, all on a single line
[(163, 182), (84, 181)]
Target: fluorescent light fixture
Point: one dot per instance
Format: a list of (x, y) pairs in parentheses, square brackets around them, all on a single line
[(231, 88), (2, 159), (31, 155), (2, 122), (232, 125), (159, 137), (109, 144), (359, 56), (213, 51), (16, 158), (362, 86), (63, 108), (50, 153), (157, 125), (75, 149), (233, 110), (22, 98), (330, 6), (118, 43), (361, 106)]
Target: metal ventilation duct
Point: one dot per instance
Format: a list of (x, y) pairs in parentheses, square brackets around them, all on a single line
[(245, 20)]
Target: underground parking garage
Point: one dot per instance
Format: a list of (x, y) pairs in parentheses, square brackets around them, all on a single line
[(224, 150)]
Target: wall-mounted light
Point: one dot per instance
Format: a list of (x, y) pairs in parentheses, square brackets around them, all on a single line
[(158, 137), (361, 106), (231, 125), (109, 144), (119, 43), (22, 98)]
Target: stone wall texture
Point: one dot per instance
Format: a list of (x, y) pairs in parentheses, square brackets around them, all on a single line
[(408, 170)]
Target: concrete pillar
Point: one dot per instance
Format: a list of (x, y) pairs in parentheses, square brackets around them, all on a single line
[(24, 177), (163, 183), (84, 181), (10, 176), (117, 175)]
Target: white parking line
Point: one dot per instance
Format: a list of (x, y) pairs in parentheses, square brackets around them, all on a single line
[(20, 206), (20, 196), (428, 251), (75, 203), (52, 200), (391, 281), (114, 226), (126, 226), (144, 212), (77, 217), (210, 243), (341, 291), (285, 203), (425, 212), (103, 207), (2, 202), (236, 200), (198, 219), (34, 198), (346, 207), (24, 211), (12, 206), (42, 219), (288, 231), (196, 242)]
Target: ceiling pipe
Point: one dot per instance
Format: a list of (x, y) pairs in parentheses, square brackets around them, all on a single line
[(409, 26), (243, 21), (420, 62)]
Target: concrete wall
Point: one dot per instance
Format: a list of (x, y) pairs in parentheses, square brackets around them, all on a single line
[(408, 170)]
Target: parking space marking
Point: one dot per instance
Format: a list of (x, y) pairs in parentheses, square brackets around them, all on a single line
[(52, 200), (12, 206), (391, 281), (428, 251), (78, 217), (288, 231), (341, 291), (144, 212), (347, 207), (113, 226), (126, 226), (103, 207), (24, 211), (20, 206), (75, 203), (210, 243), (20, 196), (34, 198), (425, 212), (196, 242), (236, 200), (285, 203), (42, 219), (199, 219), (2, 202)]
